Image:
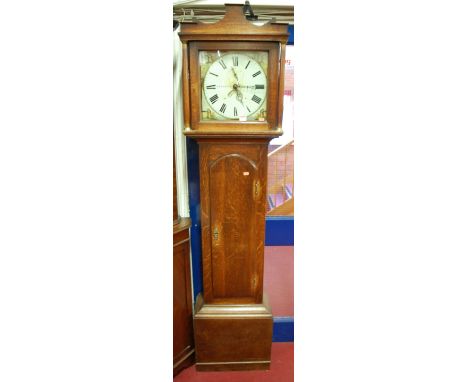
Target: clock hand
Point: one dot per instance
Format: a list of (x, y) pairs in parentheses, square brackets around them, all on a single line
[(235, 75), (239, 96)]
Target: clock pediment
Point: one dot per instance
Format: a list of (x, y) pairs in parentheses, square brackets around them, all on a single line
[(234, 26)]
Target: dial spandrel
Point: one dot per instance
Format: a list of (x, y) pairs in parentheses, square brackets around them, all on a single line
[(234, 85)]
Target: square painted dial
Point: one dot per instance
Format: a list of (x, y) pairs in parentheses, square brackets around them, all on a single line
[(234, 85)]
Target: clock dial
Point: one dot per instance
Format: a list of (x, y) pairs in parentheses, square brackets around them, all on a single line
[(234, 85)]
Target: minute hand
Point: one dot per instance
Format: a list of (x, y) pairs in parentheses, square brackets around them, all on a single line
[(235, 75)]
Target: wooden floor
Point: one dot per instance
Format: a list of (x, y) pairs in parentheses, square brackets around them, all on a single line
[(281, 370)]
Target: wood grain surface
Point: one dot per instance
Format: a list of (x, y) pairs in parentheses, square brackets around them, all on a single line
[(183, 341), (233, 192)]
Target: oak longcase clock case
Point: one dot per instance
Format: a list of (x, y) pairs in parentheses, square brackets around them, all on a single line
[(233, 76)]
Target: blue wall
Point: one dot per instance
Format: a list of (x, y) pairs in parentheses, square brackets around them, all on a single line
[(291, 35), (283, 329), (279, 230), (194, 205)]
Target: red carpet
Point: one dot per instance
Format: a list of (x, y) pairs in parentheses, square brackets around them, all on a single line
[(278, 282), (281, 369)]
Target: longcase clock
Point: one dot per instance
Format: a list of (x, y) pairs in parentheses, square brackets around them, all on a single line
[(233, 78)]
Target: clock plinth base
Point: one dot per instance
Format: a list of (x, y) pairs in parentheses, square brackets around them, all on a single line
[(232, 337)]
